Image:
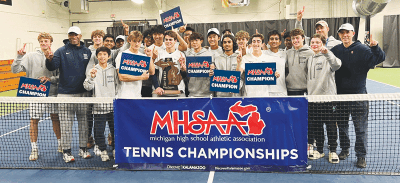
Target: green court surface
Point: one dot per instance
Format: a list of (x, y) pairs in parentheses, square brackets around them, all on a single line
[(385, 75), (10, 93)]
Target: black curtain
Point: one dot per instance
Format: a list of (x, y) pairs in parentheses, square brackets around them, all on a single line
[(391, 42), (263, 27)]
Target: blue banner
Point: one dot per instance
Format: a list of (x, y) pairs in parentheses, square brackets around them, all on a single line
[(260, 73), (172, 18), (29, 87), (221, 134), (225, 81), (133, 64), (198, 66)]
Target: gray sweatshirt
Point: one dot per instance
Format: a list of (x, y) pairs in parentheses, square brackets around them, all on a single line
[(34, 64), (321, 74), (103, 85), (330, 42), (228, 63), (296, 63), (199, 86)]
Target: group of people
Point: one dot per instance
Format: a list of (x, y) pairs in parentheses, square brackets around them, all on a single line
[(319, 65)]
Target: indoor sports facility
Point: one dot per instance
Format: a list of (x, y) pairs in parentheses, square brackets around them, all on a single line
[(170, 91)]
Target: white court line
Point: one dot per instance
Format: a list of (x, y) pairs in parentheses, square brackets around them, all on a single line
[(21, 128), (211, 177)]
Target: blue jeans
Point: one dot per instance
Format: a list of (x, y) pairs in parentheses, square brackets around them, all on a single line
[(359, 113)]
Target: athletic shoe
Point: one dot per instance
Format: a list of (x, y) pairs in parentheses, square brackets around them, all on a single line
[(34, 155), (110, 139), (361, 163), (90, 142), (104, 156), (59, 148), (310, 150), (316, 155), (333, 157), (114, 153), (96, 150), (84, 153), (68, 157), (344, 154)]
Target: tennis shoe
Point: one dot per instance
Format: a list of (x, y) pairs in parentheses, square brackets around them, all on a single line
[(316, 155), (68, 157), (84, 153), (34, 155), (96, 150), (104, 156), (333, 158)]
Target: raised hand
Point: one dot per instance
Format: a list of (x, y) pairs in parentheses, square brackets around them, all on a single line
[(283, 32), (22, 50), (324, 50), (239, 58), (182, 62), (182, 28), (277, 74), (48, 54), (372, 42), (44, 79), (93, 72), (126, 27), (300, 13)]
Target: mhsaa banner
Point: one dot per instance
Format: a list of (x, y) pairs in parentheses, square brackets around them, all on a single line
[(219, 134)]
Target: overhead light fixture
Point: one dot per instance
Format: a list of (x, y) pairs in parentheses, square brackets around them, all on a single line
[(137, 1)]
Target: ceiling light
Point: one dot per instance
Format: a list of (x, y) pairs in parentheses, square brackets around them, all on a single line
[(137, 1)]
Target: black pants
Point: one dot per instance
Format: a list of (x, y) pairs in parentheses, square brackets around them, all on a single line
[(147, 91), (99, 128), (89, 114), (318, 114), (291, 93)]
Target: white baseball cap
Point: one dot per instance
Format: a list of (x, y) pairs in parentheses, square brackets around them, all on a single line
[(322, 23), (346, 26), (74, 29), (120, 37), (212, 31)]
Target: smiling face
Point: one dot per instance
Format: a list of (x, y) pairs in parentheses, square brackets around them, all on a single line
[(213, 39), (346, 36), (103, 57), (74, 38), (274, 41), (288, 42), (242, 42), (158, 38), (169, 41), (196, 43), (322, 30), (135, 44), (109, 43), (97, 39), (227, 43), (256, 43), (297, 41), (148, 41), (316, 44), (45, 44)]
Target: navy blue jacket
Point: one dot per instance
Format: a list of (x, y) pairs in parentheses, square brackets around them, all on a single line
[(72, 62), (357, 59)]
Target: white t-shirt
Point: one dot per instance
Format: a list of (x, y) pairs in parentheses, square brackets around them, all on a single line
[(257, 90), (163, 56), (163, 47), (131, 89)]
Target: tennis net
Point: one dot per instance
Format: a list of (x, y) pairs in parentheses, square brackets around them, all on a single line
[(375, 118)]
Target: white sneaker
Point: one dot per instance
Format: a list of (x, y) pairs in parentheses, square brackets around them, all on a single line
[(84, 154), (310, 150), (316, 155), (104, 156), (96, 150), (34, 155), (59, 148), (114, 154), (68, 157), (333, 157)]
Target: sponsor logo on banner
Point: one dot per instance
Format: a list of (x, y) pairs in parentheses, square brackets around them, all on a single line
[(133, 64), (225, 81), (29, 87), (172, 18), (221, 134), (198, 66), (260, 73)]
